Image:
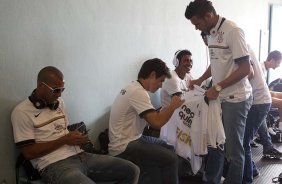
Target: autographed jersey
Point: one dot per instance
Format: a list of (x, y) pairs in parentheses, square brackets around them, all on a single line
[(197, 125), (191, 115)]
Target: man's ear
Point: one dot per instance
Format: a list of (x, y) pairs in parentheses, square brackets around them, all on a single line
[(39, 84), (272, 61), (208, 15), (153, 75)]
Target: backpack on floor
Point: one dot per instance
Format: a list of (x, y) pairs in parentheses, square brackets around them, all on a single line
[(104, 141), (30, 172)]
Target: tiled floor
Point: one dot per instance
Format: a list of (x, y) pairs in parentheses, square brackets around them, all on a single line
[(269, 168)]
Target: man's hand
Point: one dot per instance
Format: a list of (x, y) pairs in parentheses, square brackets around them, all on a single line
[(176, 102), (212, 94), (76, 138), (196, 82)]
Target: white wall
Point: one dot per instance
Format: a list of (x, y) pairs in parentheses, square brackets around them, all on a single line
[(99, 45)]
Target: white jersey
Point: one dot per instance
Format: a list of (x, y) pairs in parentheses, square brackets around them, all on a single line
[(126, 123), (31, 125), (227, 46), (195, 126), (261, 92), (170, 87)]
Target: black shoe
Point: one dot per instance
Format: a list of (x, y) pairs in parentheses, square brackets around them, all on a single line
[(273, 153), (253, 144), (256, 174), (257, 140)]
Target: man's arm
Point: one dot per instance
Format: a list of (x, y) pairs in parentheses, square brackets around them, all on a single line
[(158, 119), (252, 73), (32, 151), (199, 81), (276, 94), (242, 71)]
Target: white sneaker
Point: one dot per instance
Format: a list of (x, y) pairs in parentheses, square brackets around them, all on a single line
[(222, 180)]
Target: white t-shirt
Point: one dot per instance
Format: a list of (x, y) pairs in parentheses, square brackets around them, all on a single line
[(261, 92), (174, 85), (226, 47), (126, 123), (31, 125), (264, 70)]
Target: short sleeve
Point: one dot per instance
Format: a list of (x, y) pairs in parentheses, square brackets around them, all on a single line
[(23, 128), (171, 86), (237, 44), (140, 101)]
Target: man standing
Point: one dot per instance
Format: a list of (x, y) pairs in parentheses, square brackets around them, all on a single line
[(131, 111), (40, 132), (229, 69), (273, 61), (256, 116)]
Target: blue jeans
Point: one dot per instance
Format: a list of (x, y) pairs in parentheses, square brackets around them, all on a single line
[(153, 156), (214, 165), (264, 136), (256, 117), (234, 122), (86, 168)]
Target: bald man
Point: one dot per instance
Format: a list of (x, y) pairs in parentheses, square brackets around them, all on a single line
[(40, 132)]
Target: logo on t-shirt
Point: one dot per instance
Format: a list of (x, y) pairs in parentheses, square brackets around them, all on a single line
[(58, 127), (186, 115), (36, 115), (122, 92), (220, 36)]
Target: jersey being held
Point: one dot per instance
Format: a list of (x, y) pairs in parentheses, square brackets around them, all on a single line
[(170, 87), (191, 121)]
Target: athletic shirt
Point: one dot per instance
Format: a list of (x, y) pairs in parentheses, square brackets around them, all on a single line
[(31, 125), (172, 86), (195, 126), (126, 123), (261, 92), (227, 46)]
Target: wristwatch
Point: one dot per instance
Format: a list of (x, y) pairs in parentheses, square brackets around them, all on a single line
[(217, 87)]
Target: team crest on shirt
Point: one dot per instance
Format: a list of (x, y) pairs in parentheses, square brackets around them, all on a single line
[(220, 36), (122, 92), (58, 127)]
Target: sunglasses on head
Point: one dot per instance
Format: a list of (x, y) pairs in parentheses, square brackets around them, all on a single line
[(54, 90)]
